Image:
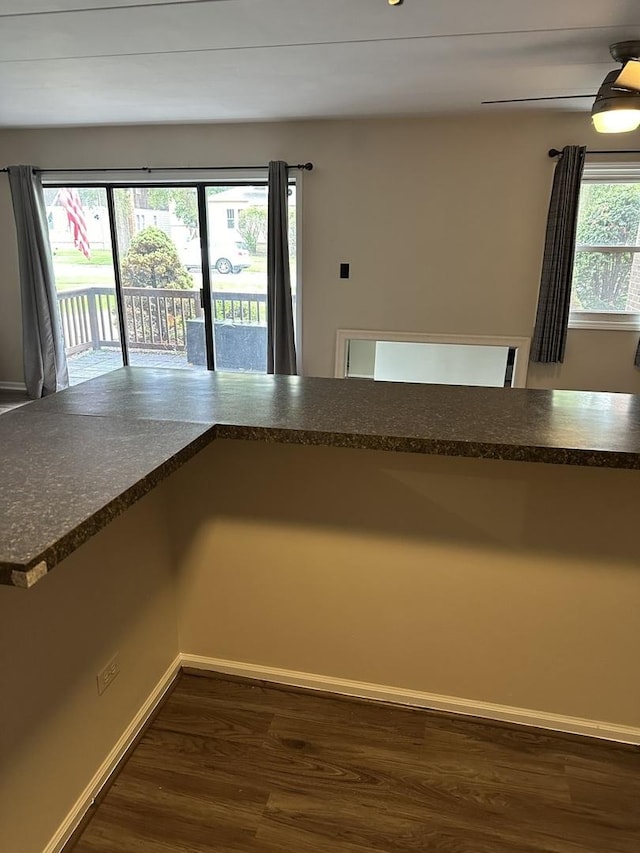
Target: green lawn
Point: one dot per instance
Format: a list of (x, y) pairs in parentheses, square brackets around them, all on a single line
[(73, 271), (102, 257), (99, 257), (258, 263)]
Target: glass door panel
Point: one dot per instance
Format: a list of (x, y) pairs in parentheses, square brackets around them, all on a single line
[(80, 239), (237, 231), (237, 228), (159, 253)]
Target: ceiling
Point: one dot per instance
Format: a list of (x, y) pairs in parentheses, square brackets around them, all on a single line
[(81, 62)]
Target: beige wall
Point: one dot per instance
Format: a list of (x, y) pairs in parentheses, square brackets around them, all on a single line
[(114, 594), (441, 219), (509, 583)]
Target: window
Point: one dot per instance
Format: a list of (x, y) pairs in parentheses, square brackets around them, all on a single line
[(231, 218), (440, 359), (144, 304), (605, 292)]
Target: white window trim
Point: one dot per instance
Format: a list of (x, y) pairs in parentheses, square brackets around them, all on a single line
[(521, 346), (612, 321), (160, 177), (614, 173)]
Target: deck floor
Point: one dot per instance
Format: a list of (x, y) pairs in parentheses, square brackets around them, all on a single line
[(92, 363), (238, 767)]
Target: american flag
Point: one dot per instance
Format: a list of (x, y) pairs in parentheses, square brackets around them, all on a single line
[(70, 200)]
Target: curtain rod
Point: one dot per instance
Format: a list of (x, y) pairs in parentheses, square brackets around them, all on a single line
[(553, 152), (307, 167)]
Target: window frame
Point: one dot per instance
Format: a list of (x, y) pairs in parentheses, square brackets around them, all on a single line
[(618, 321)]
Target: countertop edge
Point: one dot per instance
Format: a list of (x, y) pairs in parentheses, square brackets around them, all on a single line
[(25, 575), (508, 452)]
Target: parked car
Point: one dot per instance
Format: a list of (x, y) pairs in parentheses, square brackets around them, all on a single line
[(231, 257)]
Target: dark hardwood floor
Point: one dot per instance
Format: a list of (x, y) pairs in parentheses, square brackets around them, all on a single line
[(237, 767)]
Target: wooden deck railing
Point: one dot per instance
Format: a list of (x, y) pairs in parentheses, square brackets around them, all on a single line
[(88, 318), (156, 319)]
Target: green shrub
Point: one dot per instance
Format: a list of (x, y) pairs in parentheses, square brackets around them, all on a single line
[(152, 261)]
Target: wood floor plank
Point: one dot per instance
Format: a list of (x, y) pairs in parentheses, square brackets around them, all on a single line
[(475, 797), (301, 704), (527, 741), (426, 776), (276, 838), (246, 768), (596, 788), (153, 809), (379, 828), (198, 715)]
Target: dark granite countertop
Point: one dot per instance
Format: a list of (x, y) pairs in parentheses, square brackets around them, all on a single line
[(64, 477), (71, 462)]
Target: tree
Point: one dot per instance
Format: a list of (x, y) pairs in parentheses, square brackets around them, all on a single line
[(609, 216), (185, 204), (292, 231), (92, 197), (152, 261), (252, 225), (125, 225)]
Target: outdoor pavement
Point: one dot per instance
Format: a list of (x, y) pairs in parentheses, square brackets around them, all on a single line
[(88, 365)]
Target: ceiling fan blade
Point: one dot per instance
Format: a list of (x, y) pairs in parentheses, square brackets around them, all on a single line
[(550, 98), (629, 77)]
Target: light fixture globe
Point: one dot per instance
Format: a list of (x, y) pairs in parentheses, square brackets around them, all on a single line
[(615, 110), (616, 121)]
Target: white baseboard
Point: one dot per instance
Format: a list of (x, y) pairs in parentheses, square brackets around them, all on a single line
[(85, 800), (13, 386), (420, 699)]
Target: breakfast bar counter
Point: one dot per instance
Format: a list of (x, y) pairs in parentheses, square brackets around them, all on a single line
[(73, 461)]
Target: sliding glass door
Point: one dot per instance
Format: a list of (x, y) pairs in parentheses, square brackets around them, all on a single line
[(160, 295), (80, 239), (129, 276)]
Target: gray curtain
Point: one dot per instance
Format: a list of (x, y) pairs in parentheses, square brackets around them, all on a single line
[(637, 358), (552, 319), (45, 363), (281, 347)]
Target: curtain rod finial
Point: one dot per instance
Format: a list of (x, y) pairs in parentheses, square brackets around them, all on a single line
[(553, 152)]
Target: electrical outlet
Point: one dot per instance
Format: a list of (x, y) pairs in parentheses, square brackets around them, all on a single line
[(107, 674)]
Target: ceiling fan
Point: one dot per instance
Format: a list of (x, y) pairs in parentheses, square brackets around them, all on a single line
[(616, 108)]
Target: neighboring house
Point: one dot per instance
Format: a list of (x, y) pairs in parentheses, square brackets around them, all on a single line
[(97, 221), (225, 207), (224, 218)]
